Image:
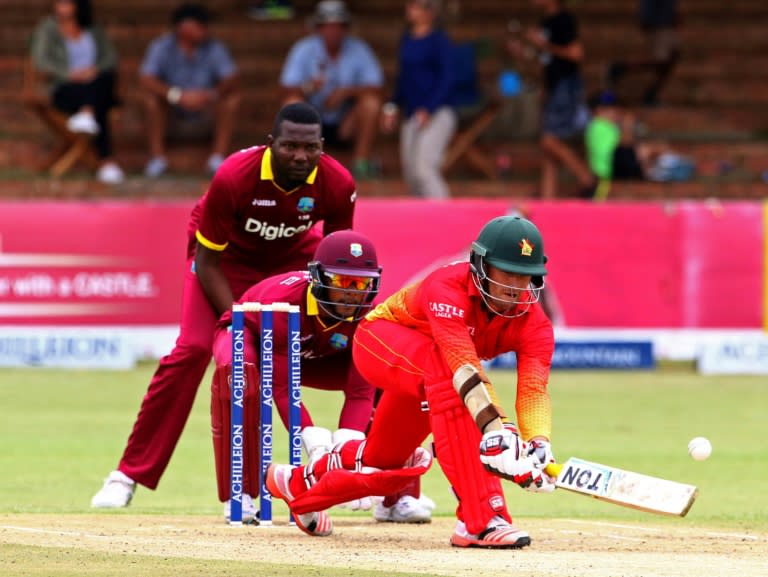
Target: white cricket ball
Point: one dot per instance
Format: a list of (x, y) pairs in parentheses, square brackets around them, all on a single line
[(700, 448)]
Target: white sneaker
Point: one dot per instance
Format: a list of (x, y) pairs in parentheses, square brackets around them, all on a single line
[(110, 173), (497, 535), (407, 510), (117, 492), (82, 123), (249, 509), (156, 166)]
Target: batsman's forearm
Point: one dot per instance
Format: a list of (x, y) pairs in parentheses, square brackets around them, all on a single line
[(472, 390)]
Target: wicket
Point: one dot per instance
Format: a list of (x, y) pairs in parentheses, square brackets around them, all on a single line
[(266, 371)]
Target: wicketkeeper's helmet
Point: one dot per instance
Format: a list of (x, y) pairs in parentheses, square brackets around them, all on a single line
[(345, 261)]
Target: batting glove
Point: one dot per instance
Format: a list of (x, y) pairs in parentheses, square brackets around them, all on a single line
[(541, 452), (503, 453)]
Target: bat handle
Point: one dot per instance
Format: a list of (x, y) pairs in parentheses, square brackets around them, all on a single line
[(553, 469)]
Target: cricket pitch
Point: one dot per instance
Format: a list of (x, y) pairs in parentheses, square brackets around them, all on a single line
[(560, 548)]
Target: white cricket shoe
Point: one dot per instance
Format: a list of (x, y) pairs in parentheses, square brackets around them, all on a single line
[(497, 535), (408, 509), (117, 492), (249, 509)]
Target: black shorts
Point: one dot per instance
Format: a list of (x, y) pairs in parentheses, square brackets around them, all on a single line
[(626, 166)]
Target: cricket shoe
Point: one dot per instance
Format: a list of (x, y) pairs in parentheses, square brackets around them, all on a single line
[(408, 509), (278, 480), (116, 492), (497, 535), (250, 514)]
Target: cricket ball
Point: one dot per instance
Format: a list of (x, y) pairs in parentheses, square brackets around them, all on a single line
[(700, 448)]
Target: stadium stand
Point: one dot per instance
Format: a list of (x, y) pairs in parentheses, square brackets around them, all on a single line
[(714, 108)]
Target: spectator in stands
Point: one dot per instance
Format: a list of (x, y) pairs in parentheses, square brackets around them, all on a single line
[(614, 152), (340, 76), (659, 21), (564, 112), (271, 10), (423, 98), (79, 62), (189, 80)]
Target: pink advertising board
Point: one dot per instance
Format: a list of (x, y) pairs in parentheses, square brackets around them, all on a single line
[(617, 265)]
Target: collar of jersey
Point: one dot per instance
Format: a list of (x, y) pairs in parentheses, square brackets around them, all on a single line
[(313, 310), (267, 174)]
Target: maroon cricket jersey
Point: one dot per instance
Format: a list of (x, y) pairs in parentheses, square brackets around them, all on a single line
[(317, 338), (254, 222)]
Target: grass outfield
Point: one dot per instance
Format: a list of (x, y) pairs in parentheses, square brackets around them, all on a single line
[(63, 431)]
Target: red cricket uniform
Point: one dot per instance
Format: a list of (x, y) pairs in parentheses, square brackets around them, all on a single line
[(412, 344), (261, 230), (326, 350)]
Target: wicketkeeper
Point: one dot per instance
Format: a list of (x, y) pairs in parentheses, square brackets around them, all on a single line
[(423, 347), (333, 294)]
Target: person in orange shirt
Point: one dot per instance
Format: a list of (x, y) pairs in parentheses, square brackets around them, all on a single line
[(423, 348)]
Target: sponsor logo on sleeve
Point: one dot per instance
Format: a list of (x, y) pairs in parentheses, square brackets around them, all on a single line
[(446, 311)]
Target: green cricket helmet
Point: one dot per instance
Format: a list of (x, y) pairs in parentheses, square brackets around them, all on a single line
[(511, 244)]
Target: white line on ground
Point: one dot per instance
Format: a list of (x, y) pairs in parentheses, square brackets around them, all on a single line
[(616, 525), (51, 532), (732, 535)]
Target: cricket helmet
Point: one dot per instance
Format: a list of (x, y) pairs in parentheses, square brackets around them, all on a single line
[(511, 244), (346, 262)]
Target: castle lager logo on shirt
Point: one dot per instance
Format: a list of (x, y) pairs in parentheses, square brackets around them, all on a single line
[(526, 247), (306, 204), (356, 249), (339, 341), (446, 311)]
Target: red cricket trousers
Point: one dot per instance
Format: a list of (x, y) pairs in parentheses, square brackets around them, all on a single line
[(410, 368)]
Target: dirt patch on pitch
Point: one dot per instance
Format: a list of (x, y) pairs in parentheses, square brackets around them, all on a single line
[(561, 548)]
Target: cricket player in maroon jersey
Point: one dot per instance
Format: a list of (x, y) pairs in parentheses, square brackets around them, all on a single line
[(423, 346), (333, 293), (257, 219)]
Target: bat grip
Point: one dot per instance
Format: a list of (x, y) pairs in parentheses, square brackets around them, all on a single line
[(553, 469)]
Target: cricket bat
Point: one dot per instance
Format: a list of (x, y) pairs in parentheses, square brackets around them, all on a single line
[(623, 488)]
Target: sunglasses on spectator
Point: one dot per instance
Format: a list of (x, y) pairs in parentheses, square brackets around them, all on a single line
[(344, 281)]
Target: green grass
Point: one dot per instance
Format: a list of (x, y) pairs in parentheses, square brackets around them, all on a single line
[(63, 431)]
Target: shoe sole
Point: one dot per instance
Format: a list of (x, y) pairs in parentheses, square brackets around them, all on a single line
[(463, 542)]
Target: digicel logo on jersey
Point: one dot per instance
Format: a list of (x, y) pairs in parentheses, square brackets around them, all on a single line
[(272, 232), (446, 311)]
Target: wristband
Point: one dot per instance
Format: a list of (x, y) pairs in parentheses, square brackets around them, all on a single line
[(173, 95)]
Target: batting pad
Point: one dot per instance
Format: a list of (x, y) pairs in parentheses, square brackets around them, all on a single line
[(457, 444), (221, 408), (341, 485)]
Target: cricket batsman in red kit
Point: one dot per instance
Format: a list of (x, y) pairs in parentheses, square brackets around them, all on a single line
[(257, 219), (423, 347), (334, 292)]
